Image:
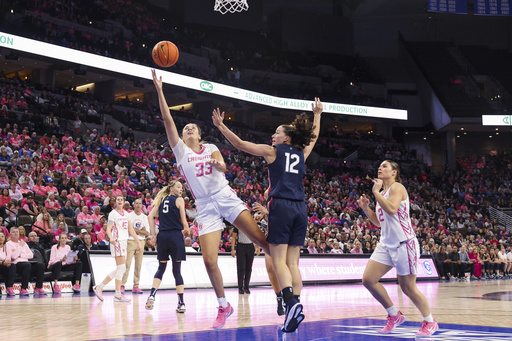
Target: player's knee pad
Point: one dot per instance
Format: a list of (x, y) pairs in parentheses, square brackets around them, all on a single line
[(112, 274), (176, 271), (120, 270), (161, 269)]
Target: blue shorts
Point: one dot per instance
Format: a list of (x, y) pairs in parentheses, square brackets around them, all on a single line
[(170, 243), (287, 222)]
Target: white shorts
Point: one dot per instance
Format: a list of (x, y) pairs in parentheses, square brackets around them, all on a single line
[(404, 257), (120, 248), (225, 204)]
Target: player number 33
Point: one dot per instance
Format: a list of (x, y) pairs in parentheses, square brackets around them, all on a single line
[(203, 168)]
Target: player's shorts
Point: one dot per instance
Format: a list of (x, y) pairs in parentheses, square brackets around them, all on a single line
[(120, 249), (404, 258), (287, 222), (170, 243), (224, 204)]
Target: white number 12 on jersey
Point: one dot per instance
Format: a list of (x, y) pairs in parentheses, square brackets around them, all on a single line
[(290, 168)]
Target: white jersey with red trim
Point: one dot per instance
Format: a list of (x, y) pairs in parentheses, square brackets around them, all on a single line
[(395, 228), (202, 179), (119, 225)]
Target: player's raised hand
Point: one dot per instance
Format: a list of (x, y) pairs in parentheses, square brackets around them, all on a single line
[(317, 107), (363, 201), (217, 117), (157, 80), (377, 185)]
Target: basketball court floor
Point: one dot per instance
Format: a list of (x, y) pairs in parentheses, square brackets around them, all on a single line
[(478, 310)]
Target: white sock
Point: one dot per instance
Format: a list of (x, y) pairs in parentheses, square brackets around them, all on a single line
[(429, 318), (118, 293), (101, 285), (392, 311), (222, 302)]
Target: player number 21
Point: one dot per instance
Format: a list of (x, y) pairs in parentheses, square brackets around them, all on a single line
[(203, 169)]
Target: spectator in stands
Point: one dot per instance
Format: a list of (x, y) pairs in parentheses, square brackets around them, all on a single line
[(30, 208), (60, 219), (67, 210), (357, 248), (312, 246), (44, 229), (477, 263), (59, 260), (495, 262), (5, 198), (486, 259), (23, 234), (84, 217), (78, 240), (51, 203), (336, 248), (456, 264), (106, 177), (509, 261), (40, 188), (61, 228), (20, 254), (14, 192), (96, 215), (7, 268), (467, 265), (5, 160), (75, 197), (33, 244), (11, 213), (77, 124)]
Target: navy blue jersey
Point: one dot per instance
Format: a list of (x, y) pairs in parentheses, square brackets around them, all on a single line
[(169, 214), (286, 173)]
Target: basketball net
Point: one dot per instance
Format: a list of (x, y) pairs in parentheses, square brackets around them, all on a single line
[(232, 6)]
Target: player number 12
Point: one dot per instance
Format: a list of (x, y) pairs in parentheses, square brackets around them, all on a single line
[(290, 168)]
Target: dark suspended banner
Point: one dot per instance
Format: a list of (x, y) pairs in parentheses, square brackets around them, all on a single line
[(492, 7), (448, 6)]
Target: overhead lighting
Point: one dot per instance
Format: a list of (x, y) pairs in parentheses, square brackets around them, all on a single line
[(82, 88)]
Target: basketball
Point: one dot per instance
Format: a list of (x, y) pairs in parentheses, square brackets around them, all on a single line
[(165, 54)]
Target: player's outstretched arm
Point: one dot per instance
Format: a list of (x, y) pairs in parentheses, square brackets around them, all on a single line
[(268, 152), (170, 127), (317, 108)]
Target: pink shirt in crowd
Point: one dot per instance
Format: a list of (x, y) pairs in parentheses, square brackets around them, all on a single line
[(19, 253), (83, 219), (56, 255), (5, 253)]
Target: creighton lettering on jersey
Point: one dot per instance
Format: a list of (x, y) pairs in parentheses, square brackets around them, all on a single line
[(286, 173), (202, 178), (395, 228), (169, 215)]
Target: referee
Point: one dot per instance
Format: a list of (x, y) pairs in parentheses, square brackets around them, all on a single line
[(244, 258)]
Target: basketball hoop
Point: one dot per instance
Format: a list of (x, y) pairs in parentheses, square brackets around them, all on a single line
[(231, 6)]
